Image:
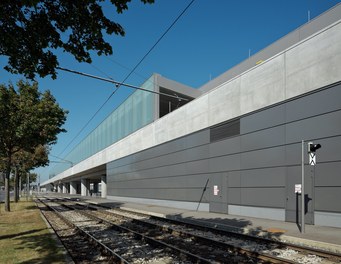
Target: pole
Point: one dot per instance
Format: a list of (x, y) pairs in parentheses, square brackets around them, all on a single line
[(302, 193), (202, 195)]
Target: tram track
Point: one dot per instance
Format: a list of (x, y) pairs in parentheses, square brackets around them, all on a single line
[(264, 249), (209, 244), (129, 246)]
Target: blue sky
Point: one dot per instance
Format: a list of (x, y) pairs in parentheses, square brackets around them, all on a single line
[(211, 37)]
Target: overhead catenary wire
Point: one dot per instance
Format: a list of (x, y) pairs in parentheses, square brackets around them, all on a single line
[(63, 160), (159, 39), (135, 67), (122, 84)]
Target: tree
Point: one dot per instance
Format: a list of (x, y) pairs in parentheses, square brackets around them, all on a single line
[(31, 30), (24, 161), (28, 118)]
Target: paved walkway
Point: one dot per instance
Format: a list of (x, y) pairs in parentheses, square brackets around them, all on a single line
[(328, 238)]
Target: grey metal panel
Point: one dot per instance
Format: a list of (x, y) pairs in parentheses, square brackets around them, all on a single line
[(234, 196), (189, 141), (265, 197), (196, 167), (293, 154), (264, 158), (225, 130), (160, 193), (251, 171), (224, 163), (270, 177), (225, 147), (219, 180), (234, 179), (188, 181), (330, 150), (177, 151), (293, 201), (186, 155), (326, 18), (328, 174), (267, 118), (167, 183), (315, 127), (328, 199), (328, 153), (262, 139), (314, 104), (198, 138), (295, 216)]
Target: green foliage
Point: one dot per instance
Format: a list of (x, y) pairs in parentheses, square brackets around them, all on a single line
[(31, 30), (28, 118), (29, 122), (27, 161)]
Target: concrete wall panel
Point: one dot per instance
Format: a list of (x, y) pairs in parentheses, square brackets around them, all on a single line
[(224, 102), (263, 85), (197, 114), (327, 219), (262, 212), (314, 63)]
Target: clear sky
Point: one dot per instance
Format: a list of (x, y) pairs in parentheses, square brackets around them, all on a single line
[(211, 37)]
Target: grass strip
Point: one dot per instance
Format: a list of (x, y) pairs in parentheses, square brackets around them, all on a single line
[(25, 238)]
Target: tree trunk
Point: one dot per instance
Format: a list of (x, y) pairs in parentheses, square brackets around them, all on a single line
[(16, 185), (7, 197)]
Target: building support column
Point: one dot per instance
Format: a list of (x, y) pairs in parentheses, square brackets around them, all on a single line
[(64, 187), (104, 186), (85, 187), (73, 187), (59, 188), (95, 188)]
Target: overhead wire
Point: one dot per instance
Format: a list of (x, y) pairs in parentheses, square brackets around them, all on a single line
[(130, 73)]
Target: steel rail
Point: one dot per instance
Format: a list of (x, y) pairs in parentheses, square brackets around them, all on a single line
[(222, 245), (303, 249), (204, 226), (87, 235), (181, 252)]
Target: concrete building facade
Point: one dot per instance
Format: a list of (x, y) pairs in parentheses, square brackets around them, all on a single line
[(236, 148)]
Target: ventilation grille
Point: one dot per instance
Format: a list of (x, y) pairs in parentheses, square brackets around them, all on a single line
[(226, 130)]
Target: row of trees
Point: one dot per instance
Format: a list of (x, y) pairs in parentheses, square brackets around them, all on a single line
[(30, 122), (31, 32)]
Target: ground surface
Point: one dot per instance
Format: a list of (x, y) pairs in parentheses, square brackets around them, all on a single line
[(25, 238)]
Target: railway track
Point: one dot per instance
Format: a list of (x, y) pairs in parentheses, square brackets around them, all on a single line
[(209, 245), (116, 245)]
